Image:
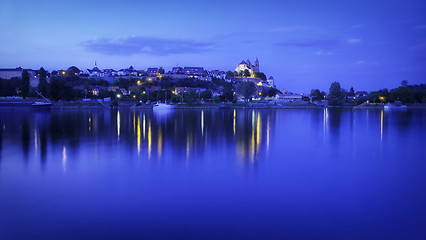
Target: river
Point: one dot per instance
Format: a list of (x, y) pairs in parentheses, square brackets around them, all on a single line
[(213, 174)]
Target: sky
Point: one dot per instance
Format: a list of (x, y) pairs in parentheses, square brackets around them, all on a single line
[(304, 45)]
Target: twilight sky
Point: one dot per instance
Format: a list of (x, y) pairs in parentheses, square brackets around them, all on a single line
[(367, 44)]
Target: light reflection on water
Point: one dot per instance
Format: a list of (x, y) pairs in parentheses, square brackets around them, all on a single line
[(280, 173)]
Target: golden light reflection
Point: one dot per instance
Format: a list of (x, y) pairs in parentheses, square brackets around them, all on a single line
[(90, 124), (160, 142), (252, 140), (139, 136), (64, 158), (149, 140), (252, 145), (143, 126), (134, 123), (258, 133), (235, 116)]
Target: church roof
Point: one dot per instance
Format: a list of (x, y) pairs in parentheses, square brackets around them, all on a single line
[(243, 62)]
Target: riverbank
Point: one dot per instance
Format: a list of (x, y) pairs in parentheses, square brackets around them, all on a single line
[(94, 104)]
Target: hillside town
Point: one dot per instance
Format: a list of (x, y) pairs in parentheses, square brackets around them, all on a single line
[(190, 85)]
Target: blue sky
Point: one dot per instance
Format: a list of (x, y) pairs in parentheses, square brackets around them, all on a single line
[(304, 44)]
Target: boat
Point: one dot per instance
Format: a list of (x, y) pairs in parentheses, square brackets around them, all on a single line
[(161, 106), (13, 102), (42, 104), (389, 106), (26, 104)]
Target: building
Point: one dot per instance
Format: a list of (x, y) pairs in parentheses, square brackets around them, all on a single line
[(9, 73), (246, 65), (271, 81), (177, 70), (194, 71), (217, 74), (95, 71), (152, 71), (289, 97)]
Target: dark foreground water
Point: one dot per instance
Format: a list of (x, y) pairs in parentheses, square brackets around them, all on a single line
[(213, 174)]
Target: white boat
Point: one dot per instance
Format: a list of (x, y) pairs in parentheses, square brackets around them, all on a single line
[(160, 106), (389, 106), (42, 104)]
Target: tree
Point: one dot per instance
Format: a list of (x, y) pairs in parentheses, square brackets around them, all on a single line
[(229, 74), (9, 87), (176, 98), (335, 95), (273, 91), (316, 95), (246, 73), (25, 83), (161, 71), (206, 95), (228, 92), (351, 92), (404, 83), (260, 75), (403, 94), (246, 90), (379, 96), (73, 71), (190, 96), (42, 84)]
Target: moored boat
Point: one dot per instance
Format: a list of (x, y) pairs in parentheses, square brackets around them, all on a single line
[(389, 106)]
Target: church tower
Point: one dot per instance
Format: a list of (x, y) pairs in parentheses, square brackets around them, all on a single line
[(256, 65)]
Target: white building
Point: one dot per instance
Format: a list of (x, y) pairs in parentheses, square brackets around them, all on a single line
[(246, 65)]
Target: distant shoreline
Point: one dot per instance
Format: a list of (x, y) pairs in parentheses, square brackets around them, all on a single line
[(252, 105)]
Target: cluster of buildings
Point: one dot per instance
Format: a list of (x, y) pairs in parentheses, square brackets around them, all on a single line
[(9, 73), (156, 74), (177, 73)]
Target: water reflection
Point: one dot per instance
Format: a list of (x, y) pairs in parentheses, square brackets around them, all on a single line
[(334, 116), (185, 134), (64, 159), (25, 136), (1, 139), (316, 166)]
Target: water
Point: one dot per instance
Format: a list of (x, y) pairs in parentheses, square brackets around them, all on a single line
[(213, 174)]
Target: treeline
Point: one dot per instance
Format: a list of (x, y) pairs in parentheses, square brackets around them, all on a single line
[(339, 96), (404, 94)]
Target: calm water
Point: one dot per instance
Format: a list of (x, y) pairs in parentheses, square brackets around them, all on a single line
[(213, 174)]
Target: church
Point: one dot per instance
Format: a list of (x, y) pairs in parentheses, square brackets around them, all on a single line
[(246, 65)]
